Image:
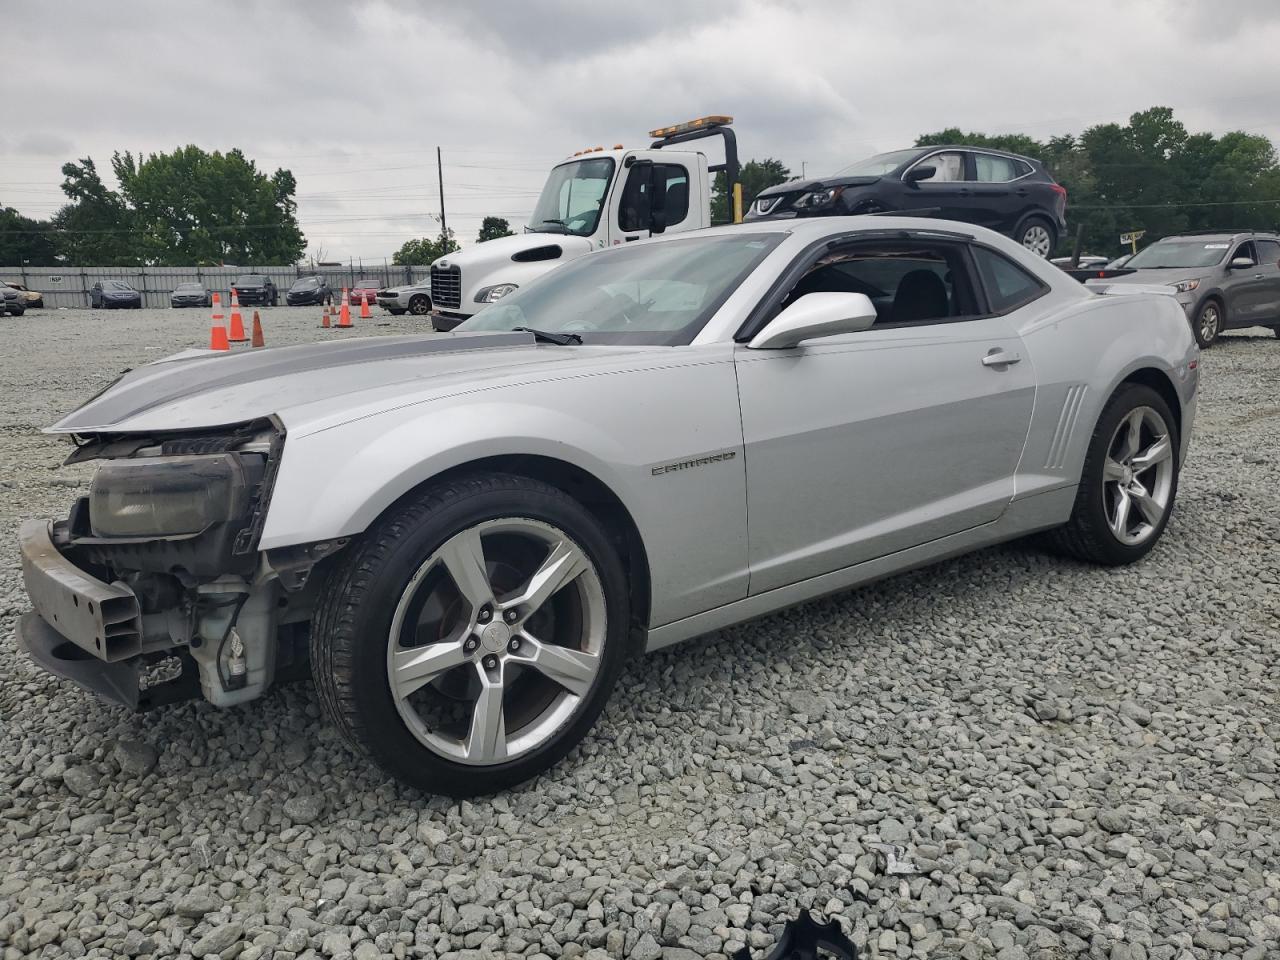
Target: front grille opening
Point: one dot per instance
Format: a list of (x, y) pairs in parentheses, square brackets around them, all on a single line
[(446, 287)]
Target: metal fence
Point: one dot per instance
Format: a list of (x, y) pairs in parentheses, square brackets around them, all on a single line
[(69, 286)]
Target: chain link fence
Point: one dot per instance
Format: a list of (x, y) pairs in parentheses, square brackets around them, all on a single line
[(69, 286)]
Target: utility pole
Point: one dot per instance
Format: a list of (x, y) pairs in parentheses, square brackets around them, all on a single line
[(444, 227)]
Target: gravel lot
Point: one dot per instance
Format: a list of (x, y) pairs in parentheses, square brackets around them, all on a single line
[(1079, 762)]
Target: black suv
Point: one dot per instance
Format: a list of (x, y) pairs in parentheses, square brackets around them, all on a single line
[(1002, 191), (309, 290), (256, 288)]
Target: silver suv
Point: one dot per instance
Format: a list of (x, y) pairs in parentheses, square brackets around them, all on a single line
[(1223, 280)]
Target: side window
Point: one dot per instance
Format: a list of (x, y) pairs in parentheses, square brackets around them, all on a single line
[(636, 203), (1008, 285), (1269, 252), (993, 169), (948, 167), (1245, 250), (907, 282)]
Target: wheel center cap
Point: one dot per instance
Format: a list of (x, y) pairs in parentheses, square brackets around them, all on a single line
[(495, 637), (1127, 476)]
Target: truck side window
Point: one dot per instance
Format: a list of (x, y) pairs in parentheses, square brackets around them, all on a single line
[(633, 213)]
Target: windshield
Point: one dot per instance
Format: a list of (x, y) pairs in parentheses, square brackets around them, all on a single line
[(115, 285), (251, 280), (306, 283), (878, 165), (573, 197), (1180, 253), (188, 288), (365, 282), (652, 293)]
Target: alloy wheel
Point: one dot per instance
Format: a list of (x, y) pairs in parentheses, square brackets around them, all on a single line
[(1138, 473), (1036, 238), (496, 640), (1210, 320)]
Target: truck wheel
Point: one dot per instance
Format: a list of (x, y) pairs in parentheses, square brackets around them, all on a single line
[(420, 305), (472, 637), (1129, 481), (1037, 235), (1208, 323)]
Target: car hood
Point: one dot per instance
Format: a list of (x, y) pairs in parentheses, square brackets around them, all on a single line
[(807, 186), (318, 385), (516, 249)]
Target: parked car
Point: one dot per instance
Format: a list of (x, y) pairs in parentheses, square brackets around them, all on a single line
[(364, 287), (1223, 280), (11, 302), (30, 298), (256, 289), (481, 529), (412, 298), (191, 295), (1011, 194), (110, 294), (309, 290)]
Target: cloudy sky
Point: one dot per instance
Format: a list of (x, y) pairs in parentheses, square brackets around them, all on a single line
[(354, 97)]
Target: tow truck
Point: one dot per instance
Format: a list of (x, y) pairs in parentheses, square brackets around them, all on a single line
[(594, 199)]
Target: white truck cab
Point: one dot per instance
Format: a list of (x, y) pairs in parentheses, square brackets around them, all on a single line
[(595, 199)]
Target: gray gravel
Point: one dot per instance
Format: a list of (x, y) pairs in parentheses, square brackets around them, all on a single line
[(1077, 762)]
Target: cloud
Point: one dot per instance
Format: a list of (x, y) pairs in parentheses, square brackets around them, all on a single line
[(355, 97)]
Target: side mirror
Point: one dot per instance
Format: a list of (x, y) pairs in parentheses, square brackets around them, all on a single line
[(1242, 263), (816, 315), (916, 174)]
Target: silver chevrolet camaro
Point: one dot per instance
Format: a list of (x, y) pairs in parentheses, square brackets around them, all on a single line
[(463, 537)]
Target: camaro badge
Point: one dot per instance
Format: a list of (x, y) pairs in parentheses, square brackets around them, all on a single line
[(695, 462)]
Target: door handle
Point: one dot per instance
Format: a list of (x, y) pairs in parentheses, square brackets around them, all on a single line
[(629, 239), (963, 192), (999, 358), (1257, 276), (1022, 192)]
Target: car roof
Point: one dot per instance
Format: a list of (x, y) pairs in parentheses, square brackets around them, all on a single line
[(969, 146), (1221, 235)]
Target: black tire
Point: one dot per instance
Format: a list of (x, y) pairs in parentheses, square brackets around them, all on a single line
[(420, 305), (1029, 236), (1207, 326), (1276, 331), (1087, 535), (395, 313), (868, 207), (352, 627), (18, 312)]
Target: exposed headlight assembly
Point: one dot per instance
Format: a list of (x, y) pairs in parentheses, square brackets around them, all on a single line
[(495, 292), (1185, 286), (819, 198), (171, 496)]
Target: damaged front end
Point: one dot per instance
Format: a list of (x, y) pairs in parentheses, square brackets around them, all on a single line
[(153, 590)]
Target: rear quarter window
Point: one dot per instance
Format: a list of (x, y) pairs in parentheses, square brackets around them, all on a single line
[(1008, 285)]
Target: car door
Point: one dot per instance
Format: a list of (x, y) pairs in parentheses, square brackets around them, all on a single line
[(949, 191), (1269, 289), (1242, 287), (646, 176), (865, 444), (995, 205)]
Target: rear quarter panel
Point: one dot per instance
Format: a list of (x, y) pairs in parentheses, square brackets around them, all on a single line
[(1082, 352)]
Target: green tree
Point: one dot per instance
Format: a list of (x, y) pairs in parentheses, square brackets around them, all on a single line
[(756, 175), (425, 250), (491, 228), (26, 241), (1012, 142), (95, 227), (191, 206)]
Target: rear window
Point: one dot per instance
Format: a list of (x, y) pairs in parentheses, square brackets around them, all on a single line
[(1008, 286), (251, 280)]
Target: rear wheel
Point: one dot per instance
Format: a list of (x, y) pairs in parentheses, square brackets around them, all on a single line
[(1037, 235), (1208, 323), (471, 639), (1129, 481), (419, 305)]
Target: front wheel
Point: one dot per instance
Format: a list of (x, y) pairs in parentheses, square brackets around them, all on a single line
[(419, 306), (1129, 481), (1037, 236), (1208, 324), (473, 636)]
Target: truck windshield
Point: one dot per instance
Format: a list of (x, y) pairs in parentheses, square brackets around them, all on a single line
[(573, 197), (651, 293)]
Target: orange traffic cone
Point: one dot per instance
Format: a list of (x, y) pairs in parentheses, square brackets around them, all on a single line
[(344, 313), (258, 340), (217, 308), (237, 321), (364, 307), (218, 338), (324, 318)]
